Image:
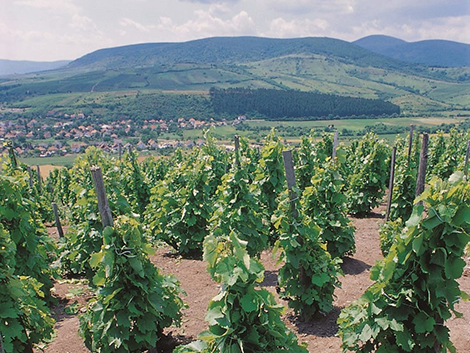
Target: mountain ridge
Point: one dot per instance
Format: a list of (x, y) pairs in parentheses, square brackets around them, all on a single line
[(225, 50), (431, 52)]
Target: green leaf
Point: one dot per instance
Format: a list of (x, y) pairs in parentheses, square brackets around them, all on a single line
[(108, 263), (462, 215), (396, 326), (366, 333), (454, 267), (213, 314), (136, 264), (415, 216), (235, 347), (388, 269), (439, 257), (432, 221), (108, 233), (423, 323), (249, 302), (8, 312), (99, 279), (95, 259), (405, 340), (383, 322), (417, 244)]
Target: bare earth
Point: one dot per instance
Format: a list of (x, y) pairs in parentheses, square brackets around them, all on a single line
[(320, 333)]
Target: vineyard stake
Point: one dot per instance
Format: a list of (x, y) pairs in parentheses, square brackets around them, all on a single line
[(423, 160), (237, 142), (335, 145), (30, 177), (237, 147), (39, 178), (410, 143), (290, 177), (120, 151), (103, 205), (57, 220), (11, 152), (390, 183), (466, 158)]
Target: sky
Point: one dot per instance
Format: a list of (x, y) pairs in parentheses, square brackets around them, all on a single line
[(49, 30)]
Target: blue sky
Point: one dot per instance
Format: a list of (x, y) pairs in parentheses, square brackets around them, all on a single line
[(47, 30)]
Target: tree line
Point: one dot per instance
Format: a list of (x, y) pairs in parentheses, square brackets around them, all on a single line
[(291, 105)]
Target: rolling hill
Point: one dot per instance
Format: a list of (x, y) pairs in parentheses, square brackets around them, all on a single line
[(324, 65), (18, 67), (442, 53), (227, 50)]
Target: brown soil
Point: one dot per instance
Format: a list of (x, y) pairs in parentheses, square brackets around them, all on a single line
[(320, 333)]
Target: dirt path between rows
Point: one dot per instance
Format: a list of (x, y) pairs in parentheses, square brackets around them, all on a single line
[(320, 333)]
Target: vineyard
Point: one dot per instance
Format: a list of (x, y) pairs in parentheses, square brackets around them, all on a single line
[(270, 249)]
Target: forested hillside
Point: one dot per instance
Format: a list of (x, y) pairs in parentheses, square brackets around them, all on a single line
[(276, 104)]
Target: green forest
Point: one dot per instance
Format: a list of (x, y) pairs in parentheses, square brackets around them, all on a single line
[(279, 105)]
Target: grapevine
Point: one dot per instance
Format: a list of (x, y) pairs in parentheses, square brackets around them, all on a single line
[(134, 302), (241, 317), (416, 289)]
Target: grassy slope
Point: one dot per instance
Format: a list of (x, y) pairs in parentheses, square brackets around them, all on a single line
[(314, 73)]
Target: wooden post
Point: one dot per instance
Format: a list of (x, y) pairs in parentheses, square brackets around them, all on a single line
[(237, 147), (30, 172), (237, 142), (335, 145), (466, 158), (290, 177), (423, 160), (57, 220), (120, 151), (39, 178), (410, 142), (390, 183), (103, 205)]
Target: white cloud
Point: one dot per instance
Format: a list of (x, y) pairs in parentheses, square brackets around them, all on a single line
[(206, 24), (82, 23), (127, 22), (450, 28), (51, 5), (447, 28), (282, 28), (313, 6), (219, 9), (203, 24)]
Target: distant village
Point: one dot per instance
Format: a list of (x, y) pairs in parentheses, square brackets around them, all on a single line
[(72, 134)]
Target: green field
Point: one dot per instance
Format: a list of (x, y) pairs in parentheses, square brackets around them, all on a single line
[(358, 124), (55, 161)]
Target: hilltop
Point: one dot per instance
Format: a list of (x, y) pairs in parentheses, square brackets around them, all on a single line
[(441, 53)]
